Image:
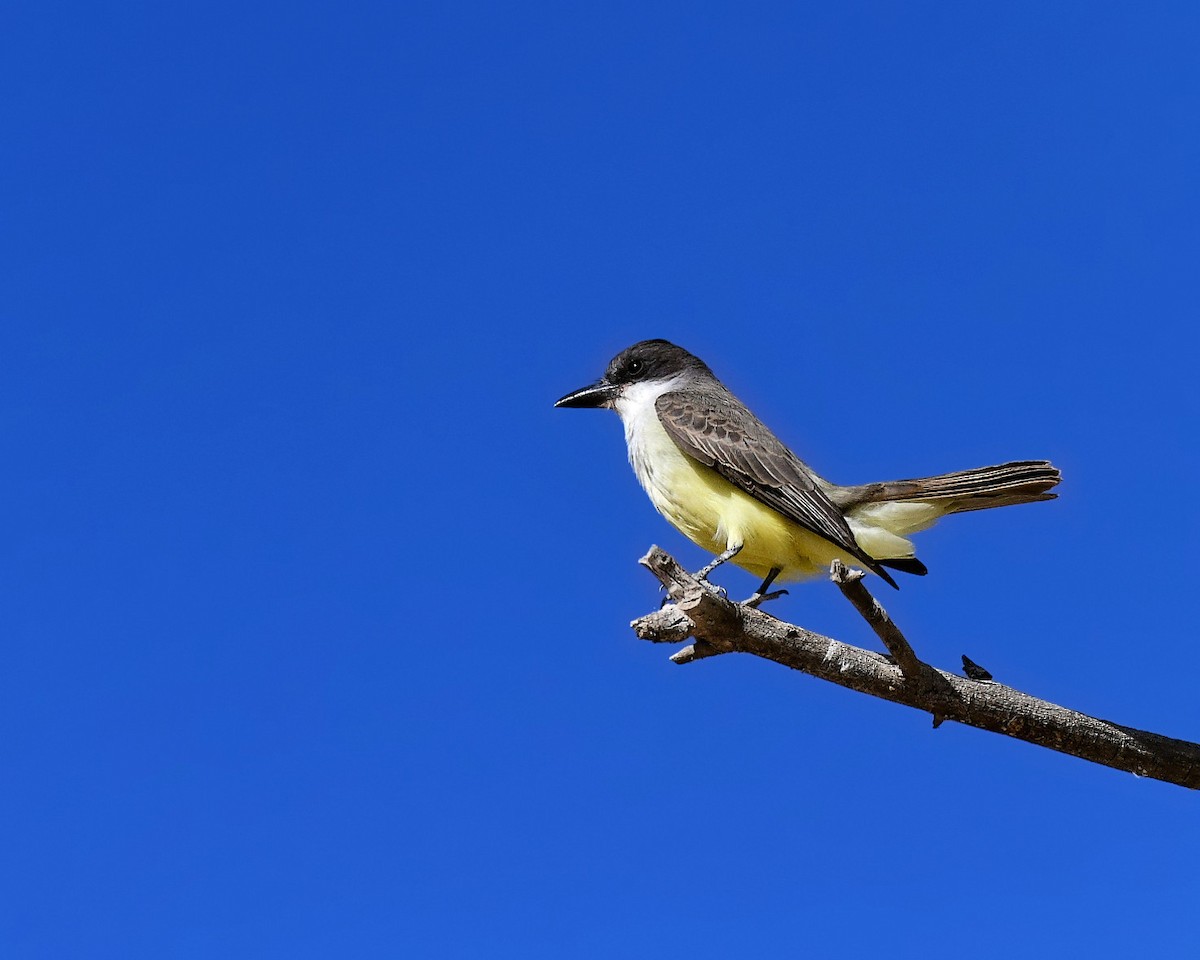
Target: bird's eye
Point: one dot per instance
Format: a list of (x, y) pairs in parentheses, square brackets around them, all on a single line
[(634, 367)]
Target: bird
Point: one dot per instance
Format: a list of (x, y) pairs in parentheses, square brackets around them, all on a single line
[(724, 480)]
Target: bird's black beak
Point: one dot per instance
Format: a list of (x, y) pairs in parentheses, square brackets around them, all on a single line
[(599, 394)]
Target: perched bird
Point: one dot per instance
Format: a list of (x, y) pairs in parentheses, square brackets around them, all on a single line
[(726, 482)]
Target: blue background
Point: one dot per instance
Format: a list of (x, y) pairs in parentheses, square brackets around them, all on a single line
[(315, 612)]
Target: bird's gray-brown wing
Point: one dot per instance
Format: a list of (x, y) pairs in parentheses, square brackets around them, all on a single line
[(722, 433)]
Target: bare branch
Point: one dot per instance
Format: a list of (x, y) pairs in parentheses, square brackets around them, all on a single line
[(717, 625)]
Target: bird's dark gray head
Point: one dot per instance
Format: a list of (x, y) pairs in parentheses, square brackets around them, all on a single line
[(644, 362), (652, 360)]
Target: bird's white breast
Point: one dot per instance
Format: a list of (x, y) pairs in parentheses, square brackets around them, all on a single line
[(652, 454), (690, 495)]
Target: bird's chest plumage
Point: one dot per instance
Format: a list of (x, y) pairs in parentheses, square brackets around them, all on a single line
[(660, 466), (688, 493), (706, 507)]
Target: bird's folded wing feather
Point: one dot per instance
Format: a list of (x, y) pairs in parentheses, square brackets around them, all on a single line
[(724, 435)]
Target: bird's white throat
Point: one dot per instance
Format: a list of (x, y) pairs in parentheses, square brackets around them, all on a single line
[(648, 445)]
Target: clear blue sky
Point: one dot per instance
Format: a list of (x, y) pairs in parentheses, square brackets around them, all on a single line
[(315, 612)]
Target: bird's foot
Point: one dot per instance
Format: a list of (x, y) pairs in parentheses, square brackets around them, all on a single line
[(713, 588), (761, 595), (760, 598), (703, 572)]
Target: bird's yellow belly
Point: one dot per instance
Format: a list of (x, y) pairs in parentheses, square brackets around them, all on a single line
[(716, 515)]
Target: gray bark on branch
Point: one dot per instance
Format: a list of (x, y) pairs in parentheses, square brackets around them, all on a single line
[(717, 625)]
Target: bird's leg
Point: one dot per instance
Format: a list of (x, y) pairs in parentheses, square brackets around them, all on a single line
[(729, 554), (770, 579), (761, 595), (717, 561)]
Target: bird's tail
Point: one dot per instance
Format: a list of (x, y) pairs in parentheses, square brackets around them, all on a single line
[(884, 515), (1022, 481)]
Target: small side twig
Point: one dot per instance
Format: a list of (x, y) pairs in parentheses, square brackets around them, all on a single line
[(850, 583)]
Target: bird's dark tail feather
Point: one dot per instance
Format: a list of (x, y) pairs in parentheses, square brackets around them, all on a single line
[(1022, 481), (906, 565)]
